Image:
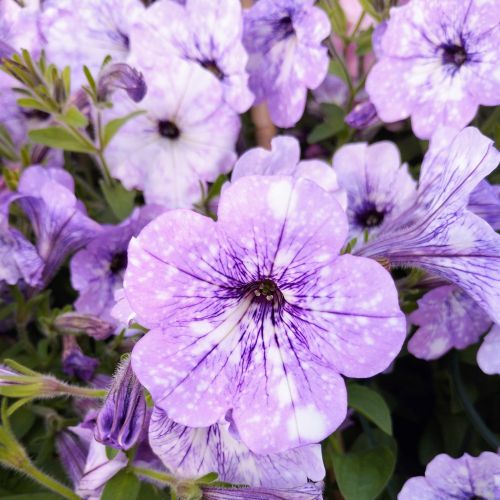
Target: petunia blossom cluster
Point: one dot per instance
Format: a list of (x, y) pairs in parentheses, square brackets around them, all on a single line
[(224, 234)]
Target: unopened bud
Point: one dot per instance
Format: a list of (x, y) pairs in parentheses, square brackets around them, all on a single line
[(363, 115), (74, 323), (121, 76), (75, 363), (121, 419)]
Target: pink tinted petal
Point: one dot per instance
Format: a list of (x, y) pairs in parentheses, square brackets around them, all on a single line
[(488, 356)]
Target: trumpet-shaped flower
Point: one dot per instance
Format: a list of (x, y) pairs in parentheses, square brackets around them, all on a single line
[(257, 313)]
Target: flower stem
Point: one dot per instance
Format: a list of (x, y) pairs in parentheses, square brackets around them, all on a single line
[(83, 392), (474, 417), (155, 475), (47, 481)]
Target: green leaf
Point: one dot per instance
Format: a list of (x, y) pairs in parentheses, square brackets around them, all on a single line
[(32, 496), (27, 102), (333, 124), (75, 118), (370, 9), (337, 18), (364, 42), (120, 200), (60, 138), (208, 478), (370, 404), (363, 475), (123, 485), (113, 126)]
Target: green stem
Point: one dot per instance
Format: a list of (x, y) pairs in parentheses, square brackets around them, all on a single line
[(335, 55), (155, 475), (469, 409), (83, 392), (358, 24), (50, 483)]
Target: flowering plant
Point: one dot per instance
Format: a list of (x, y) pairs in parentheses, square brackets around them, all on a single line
[(249, 249)]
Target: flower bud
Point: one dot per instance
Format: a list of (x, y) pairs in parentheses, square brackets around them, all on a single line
[(363, 115), (74, 323), (121, 419), (121, 76), (75, 363)]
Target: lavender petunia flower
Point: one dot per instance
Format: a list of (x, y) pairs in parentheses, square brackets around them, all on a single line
[(437, 64), (283, 39), (259, 314), (206, 33), (97, 270), (466, 477), (74, 362), (484, 201), (121, 419), (193, 452), (438, 233), (284, 159), (59, 221), (84, 33), (19, 257), (378, 187), (488, 356), (186, 138), (447, 318)]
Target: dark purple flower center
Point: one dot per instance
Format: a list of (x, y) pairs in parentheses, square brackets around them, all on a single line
[(369, 216), (125, 40), (118, 262), (266, 291), (168, 129), (284, 27), (213, 68), (453, 54)]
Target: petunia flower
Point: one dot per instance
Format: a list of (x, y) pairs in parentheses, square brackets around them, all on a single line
[(447, 318), (58, 218), (205, 33), (97, 269), (466, 477), (257, 313), (283, 39), (84, 33), (379, 187), (194, 452), (74, 362), (185, 139), (437, 64), (488, 356), (284, 159), (438, 234)]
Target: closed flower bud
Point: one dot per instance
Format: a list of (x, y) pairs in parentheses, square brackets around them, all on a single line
[(75, 363), (121, 76), (121, 419), (363, 115), (75, 323)]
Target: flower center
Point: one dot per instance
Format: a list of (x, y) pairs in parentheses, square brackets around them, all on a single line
[(453, 54), (370, 217), (266, 291), (213, 68), (118, 262), (168, 129), (284, 27)]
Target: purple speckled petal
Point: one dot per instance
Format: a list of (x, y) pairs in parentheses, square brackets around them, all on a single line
[(417, 488), (447, 318), (484, 201), (438, 234), (191, 453), (308, 491), (488, 356), (58, 218), (254, 313)]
